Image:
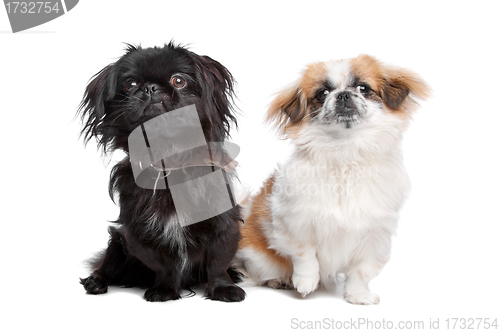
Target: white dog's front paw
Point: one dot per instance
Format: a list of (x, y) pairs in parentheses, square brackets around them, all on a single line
[(305, 284), (362, 298)]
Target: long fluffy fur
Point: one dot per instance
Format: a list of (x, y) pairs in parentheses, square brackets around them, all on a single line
[(149, 247), (333, 206)]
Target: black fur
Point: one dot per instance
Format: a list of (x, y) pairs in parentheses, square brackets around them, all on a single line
[(145, 248)]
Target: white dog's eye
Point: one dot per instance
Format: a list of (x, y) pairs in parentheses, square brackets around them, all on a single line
[(363, 89), (321, 95), (130, 85)]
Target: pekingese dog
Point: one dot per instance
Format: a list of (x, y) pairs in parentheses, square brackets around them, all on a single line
[(333, 206), (151, 246)]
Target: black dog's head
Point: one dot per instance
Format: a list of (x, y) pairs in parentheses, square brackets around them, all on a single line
[(147, 82)]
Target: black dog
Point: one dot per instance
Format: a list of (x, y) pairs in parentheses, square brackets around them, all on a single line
[(149, 247)]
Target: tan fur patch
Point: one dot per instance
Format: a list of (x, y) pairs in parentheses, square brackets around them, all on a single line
[(290, 110), (252, 231), (313, 78), (368, 70), (397, 87), (285, 106)]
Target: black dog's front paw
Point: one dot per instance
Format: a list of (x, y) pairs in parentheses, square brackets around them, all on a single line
[(157, 294), (226, 294), (94, 285)]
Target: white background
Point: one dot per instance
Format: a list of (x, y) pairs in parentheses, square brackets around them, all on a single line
[(55, 203)]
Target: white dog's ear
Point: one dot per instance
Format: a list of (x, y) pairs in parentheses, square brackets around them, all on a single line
[(289, 107), (401, 88)]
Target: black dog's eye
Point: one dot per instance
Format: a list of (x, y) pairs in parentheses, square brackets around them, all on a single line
[(321, 95), (178, 82), (130, 85), (363, 88)]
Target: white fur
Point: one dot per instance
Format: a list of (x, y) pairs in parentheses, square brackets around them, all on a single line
[(339, 72), (335, 202), (257, 268)]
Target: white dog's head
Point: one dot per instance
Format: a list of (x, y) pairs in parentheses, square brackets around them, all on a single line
[(340, 96)]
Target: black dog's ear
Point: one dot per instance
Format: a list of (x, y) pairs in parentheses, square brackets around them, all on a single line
[(92, 108), (217, 89)]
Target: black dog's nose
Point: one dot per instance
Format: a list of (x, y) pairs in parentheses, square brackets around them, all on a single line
[(152, 89), (344, 96)]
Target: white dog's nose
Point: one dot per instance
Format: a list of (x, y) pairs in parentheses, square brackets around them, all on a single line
[(344, 96)]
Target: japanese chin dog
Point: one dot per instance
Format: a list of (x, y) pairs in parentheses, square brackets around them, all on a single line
[(150, 246), (333, 206)]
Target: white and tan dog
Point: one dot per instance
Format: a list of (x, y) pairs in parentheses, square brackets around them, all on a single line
[(333, 207)]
